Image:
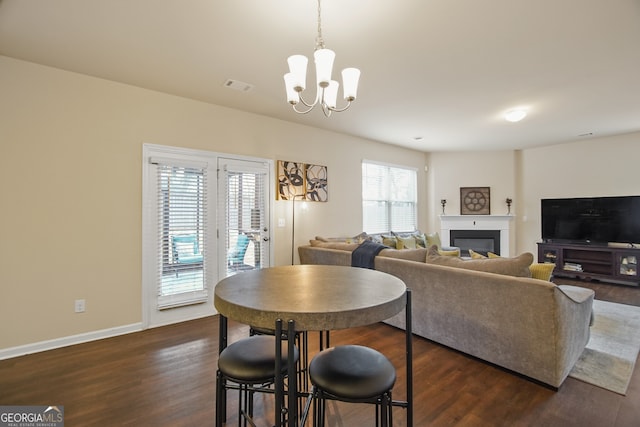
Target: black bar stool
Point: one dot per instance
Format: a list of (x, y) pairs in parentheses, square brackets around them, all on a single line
[(352, 373), (249, 366)]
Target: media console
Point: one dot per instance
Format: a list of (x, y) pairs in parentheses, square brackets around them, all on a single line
[(591, 262)]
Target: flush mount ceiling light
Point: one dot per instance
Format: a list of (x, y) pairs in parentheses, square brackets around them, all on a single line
[(327, 90), (515, 115)]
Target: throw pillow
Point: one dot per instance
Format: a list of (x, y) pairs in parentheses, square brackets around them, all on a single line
[(421, 240), (452, 252), (476, 255), (433, 239), (542, 270), (516, 266), (390, 241), (406, 242)]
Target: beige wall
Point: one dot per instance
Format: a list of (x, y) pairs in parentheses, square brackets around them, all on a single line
[(70, 188), (593, 167), (448, 171), (71, 180)]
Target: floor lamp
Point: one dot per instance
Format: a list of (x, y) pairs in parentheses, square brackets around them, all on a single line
[(293, 224)]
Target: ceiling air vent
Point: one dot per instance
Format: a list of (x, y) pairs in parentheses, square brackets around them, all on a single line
[(238, 85)]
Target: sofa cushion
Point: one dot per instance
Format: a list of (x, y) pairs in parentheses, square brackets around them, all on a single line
[(334, 245), (417, 254), (517, 266), (539, 270), (355, 239)]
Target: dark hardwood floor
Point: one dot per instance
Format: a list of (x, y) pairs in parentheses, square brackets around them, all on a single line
[(166, 377)]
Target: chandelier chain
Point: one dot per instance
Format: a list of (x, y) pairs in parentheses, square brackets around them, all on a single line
[(319, 39)]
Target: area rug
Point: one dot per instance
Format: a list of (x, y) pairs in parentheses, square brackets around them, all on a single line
[(612, 350)]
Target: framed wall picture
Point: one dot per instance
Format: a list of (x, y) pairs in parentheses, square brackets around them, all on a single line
[(300, 181), (475, 201), (316, 183), (290, 180)]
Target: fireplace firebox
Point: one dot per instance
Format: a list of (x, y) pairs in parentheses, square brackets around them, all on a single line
[(482, 241)]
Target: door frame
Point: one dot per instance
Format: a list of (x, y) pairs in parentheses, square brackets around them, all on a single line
[(151, 316)]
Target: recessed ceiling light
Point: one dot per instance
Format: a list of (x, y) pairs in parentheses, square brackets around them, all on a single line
[(515, 115)]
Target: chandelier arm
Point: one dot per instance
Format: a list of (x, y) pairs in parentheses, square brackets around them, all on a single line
[(302, 112), (306, 103), (340, 110)]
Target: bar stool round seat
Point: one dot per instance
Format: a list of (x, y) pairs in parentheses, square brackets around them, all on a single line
[(250, 363), (352, 372), (252, 360)]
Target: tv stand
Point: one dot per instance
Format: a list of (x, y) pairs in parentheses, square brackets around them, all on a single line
[(586, 262)]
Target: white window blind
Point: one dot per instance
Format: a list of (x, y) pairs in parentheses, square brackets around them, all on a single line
[(389, 198), (182, 234), (245, 219)]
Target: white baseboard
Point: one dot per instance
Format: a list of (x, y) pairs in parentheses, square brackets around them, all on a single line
[(22, 350)]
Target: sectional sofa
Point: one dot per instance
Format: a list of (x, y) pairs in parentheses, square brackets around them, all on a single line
[(490, 309)]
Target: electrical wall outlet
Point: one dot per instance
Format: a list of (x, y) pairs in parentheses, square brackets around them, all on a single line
[(80, 306)]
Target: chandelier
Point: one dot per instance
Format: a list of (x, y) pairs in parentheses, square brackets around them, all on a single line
[(327, 90)]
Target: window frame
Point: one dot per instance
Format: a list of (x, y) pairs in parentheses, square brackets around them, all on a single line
[(387, 199)]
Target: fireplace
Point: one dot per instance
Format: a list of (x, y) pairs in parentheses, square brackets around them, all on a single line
[(480, 231), (481, 241)]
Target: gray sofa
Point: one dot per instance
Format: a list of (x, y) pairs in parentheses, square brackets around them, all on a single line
[(525, 325)]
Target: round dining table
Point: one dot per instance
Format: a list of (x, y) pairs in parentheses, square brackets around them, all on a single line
[(313, 298)]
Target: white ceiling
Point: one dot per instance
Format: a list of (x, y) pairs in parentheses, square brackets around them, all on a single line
[(443, 70)]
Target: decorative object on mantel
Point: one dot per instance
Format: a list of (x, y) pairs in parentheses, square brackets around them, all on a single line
[(509, 201), (327, 90), (443, 202), (475, 201), (302, 182)]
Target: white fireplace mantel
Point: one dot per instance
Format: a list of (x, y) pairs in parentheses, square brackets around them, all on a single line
[(477, 222)]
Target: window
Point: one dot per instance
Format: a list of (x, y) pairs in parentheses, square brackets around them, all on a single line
[(182, 220), (245, 207), (389, 198)]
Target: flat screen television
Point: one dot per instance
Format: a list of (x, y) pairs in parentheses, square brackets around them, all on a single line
[(591, 220)]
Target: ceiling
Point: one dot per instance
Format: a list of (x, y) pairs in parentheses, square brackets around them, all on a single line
[(437, 75)]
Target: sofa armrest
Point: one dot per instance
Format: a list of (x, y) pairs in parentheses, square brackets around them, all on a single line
[(576, 293)]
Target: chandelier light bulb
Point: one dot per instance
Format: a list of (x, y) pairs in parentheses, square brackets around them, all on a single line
[(350, 77), (293, 96), (331, 94), (324, 66), (298, 68)]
